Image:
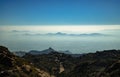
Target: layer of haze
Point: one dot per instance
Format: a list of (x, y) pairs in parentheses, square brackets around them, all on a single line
[(25, 38)]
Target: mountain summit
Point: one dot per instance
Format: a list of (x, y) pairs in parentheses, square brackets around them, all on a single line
[(47, 51)]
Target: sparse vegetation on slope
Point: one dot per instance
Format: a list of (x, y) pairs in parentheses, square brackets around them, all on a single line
[(13, 66), (87, 65), (54, 64)]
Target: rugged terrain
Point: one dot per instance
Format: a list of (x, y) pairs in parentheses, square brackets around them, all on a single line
[(14, 66), (55, 64), (100, 64)]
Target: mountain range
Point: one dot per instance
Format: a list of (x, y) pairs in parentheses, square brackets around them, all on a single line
[(83, 34), (46, 51), (66, 34)]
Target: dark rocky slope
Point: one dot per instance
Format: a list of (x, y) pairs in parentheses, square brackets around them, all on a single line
[(54, 64), (13, 66), (99, 64)]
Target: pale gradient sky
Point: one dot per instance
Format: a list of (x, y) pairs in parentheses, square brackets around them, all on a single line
[(60, 28), (15, 39)]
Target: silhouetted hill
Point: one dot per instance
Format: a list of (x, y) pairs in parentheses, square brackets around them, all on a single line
[(13, 66), (47, 51)]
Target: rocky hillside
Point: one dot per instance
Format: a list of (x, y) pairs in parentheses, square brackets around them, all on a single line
[(54, 64), (100, 64), (13, 66)]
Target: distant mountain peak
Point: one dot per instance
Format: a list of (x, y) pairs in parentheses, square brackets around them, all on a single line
[(50, 48), (60, 33), (47, 51)]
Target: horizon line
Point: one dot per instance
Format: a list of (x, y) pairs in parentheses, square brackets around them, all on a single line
[(63, 25)]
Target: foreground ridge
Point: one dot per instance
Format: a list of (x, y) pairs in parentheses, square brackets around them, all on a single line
[(55, 64), (14, 66), (99, 64)]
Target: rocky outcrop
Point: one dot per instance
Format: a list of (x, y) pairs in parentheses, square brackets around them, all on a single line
[(6, 58), (13, 66)]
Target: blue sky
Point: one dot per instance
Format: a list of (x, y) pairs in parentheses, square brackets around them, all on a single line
[(59, 12)]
